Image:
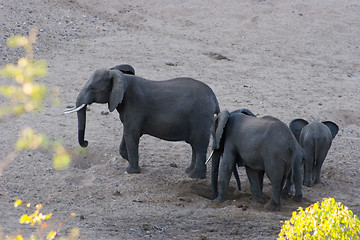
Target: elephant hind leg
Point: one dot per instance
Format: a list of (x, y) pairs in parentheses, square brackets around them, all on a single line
[(199, 145), (277, 183), (198, 170), (193, 161), (317, 168), (255, 184)]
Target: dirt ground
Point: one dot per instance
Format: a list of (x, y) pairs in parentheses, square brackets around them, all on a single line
[(288, 59)]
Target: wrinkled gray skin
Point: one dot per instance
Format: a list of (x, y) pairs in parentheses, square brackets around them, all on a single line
[(180, 109), (315, 138), (262, 145)]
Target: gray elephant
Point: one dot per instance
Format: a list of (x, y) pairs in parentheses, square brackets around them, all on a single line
[(180, 109), (262, 145), (235, 171), (315, 138)]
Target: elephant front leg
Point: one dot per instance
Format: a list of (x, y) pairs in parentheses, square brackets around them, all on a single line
[(215, 161), (132, 146), (123, 150)]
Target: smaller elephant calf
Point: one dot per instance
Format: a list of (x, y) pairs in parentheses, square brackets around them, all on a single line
[(315, 138)]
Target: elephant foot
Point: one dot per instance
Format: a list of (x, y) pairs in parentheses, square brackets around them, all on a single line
[(285, 195), (258, 199), (297, 198), (219, 199), (198, 174), (319, 182), (272, 206), (132, 170), (189, 169)]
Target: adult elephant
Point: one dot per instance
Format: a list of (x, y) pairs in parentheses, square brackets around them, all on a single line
[(315, 138), (263, 145), (179, 109)]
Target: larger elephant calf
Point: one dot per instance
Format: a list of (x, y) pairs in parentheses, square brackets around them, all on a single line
[(180, 109), (263, 145)]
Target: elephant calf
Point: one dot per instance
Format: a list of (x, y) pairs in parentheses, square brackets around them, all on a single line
[(263, 145), (180, 109), (315, 138)]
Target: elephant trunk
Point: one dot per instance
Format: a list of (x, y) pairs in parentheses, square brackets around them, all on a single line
[(81, 114), (215, 173), (81, 127)]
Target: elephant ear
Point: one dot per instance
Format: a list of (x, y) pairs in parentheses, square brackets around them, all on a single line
[(296, 126), (333, 128), (219, 126), (119, 85), (244, 111), (124, 68)]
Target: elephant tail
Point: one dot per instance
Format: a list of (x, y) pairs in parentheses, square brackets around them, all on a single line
[(316, 152)]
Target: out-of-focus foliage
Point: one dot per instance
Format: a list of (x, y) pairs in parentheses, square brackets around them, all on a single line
[(30, 139), (38, 220), (325, 220), (61, 158), (25, 95)]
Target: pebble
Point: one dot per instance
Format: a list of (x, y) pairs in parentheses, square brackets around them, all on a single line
[(170, 63), (174, 165)]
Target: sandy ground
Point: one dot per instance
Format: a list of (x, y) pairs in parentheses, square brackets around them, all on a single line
[(287, 59)]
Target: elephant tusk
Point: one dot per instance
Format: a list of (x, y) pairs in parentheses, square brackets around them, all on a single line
[(211, 154), (75, 109)]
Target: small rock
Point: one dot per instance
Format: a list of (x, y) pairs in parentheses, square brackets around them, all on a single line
[(117, 193), (202, 237), (170, 63), (174, 165), (104, 113), (217, 56)]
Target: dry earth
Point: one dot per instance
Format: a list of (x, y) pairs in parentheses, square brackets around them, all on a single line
[(288, 59)]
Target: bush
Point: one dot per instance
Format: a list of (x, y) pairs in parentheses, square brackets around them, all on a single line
[(328, 220)]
